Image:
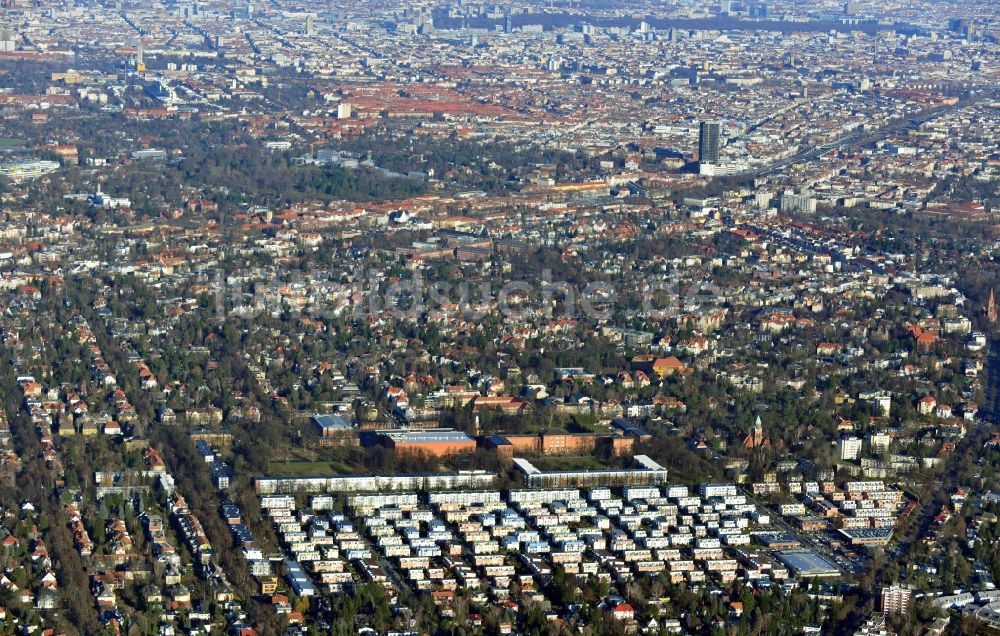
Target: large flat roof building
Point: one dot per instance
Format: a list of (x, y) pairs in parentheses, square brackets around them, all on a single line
[(867, 536), (808, 565), (438, 442), (331, 425), (375, 483), (646, 473)]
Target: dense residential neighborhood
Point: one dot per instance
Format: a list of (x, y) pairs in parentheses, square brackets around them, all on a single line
[(522, 318)]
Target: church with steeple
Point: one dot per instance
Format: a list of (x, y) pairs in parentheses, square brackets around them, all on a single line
[(755, 438)]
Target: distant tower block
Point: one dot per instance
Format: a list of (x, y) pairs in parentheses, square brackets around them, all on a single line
[(8, 40), (344, 111), (140, 57), (310, 27), (708, 142)]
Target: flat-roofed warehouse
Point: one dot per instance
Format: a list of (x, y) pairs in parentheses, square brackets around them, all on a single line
[(438, 442), (807, 564)]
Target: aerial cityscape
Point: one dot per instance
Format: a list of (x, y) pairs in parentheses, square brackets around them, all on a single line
[(528, 317)]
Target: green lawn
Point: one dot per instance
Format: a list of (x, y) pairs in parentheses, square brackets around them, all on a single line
[(307, 469), (568, 462), (11, 142)]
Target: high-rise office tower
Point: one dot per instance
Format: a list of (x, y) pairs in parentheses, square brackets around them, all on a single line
[(708, 142)]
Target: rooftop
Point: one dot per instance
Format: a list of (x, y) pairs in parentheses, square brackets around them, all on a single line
[(808, 564), (427, 437), (334, 422)]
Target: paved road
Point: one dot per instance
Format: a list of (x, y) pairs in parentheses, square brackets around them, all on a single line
[(989, 410)]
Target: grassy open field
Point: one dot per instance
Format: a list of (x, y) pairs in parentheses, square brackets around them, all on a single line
[(569, 462), (306, 468)]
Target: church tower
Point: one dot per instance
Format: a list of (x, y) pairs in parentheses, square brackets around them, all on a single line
[(758, 434)]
